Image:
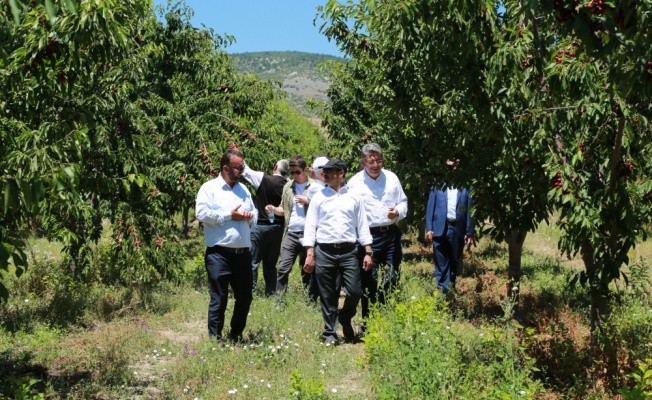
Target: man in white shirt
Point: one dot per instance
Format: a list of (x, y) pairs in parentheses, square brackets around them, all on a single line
[(385, 204), (226, 210), (317, 175), (335, 224)]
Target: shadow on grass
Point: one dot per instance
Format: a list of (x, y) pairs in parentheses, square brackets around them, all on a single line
[(19, 372)]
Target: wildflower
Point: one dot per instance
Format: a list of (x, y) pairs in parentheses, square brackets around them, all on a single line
[(26, 300), (438, 373), (185, 390), (413, 297), (245, 386), (269, 386), (522, 392), (334, 390), (233, 391)]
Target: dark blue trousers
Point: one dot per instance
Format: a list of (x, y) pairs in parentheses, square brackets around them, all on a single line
[(447, 250), (226, 268), (387, 259)]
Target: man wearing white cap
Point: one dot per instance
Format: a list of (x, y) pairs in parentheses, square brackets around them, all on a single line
[(316, 172)]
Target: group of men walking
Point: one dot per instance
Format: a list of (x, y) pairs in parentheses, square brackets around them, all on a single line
[(344, 233)]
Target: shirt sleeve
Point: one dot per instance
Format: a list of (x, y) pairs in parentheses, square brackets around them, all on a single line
[(310, 227), (206, 211), (402, 204), (364, 235), (253, 177)]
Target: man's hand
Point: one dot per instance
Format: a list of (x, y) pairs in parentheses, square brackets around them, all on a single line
[(367, 263), (470, 240), (392, 213), (429, 236), (309, 265), (240, 215), (301, 199)]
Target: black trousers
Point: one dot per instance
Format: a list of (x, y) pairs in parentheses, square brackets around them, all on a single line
[(226, 268), (331, 266)]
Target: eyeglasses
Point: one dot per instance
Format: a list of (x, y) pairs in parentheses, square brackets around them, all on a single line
[(374, 162), (238, 167), (296, 172)]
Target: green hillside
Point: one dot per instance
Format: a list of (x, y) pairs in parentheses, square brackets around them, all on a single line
[(298, 72)]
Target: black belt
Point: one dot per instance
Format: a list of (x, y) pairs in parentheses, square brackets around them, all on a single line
[(233, 250), (344, 246), (376, 230), (450, 221)]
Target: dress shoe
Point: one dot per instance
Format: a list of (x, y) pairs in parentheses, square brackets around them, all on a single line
[(347, 330)]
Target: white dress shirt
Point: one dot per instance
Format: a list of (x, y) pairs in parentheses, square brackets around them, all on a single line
[(213, 206), (379, 195), (451, 210), (336, 217)]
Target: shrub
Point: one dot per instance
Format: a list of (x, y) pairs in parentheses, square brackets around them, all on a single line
[(417, 351)]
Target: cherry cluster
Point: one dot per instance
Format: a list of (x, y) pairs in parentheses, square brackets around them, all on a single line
[(564, 53), (596, 6)]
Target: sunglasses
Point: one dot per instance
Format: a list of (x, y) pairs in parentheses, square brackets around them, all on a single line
[(296, 172)]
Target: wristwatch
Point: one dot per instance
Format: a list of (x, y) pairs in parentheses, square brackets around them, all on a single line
[(369, 253)]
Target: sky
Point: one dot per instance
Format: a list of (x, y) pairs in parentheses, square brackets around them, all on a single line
[(264, 25)]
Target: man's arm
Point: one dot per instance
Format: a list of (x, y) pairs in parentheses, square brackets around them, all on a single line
[(204, 211), (402, 203), (253, 177), (430, 210)]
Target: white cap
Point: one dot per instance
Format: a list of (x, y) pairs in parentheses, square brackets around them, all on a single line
[(318, 163)]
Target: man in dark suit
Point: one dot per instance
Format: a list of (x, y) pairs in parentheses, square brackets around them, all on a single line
[(449, 225)]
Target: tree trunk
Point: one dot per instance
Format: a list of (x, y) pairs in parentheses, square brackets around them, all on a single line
[(515, 239), (185, 211), (599, 303)]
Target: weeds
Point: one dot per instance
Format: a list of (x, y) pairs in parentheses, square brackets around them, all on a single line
[(69, 340)]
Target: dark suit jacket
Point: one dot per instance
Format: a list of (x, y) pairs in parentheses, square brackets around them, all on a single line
[(436, 212)]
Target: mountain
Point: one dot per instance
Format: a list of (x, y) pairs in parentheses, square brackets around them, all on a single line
[(298, 73)]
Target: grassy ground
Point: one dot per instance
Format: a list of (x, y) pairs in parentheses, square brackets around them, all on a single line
[(119, 349)]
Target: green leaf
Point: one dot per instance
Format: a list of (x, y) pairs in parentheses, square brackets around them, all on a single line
[(11, 195), (50, 9), (70, 6), (15, 11)]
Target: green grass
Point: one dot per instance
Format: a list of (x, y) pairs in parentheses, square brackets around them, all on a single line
[(103, 342)]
